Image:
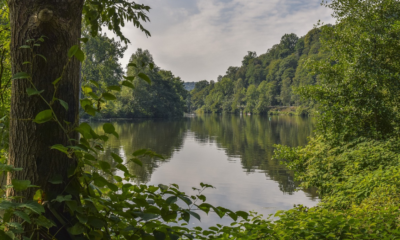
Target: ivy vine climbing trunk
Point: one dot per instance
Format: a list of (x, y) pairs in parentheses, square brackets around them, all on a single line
[(60, 22)]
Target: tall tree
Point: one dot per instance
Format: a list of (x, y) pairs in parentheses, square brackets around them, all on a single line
[(51, 28)]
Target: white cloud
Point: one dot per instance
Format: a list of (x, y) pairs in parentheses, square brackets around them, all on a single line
[(200, 39)]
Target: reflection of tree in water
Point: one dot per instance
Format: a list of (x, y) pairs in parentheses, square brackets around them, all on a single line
[(161, 136), (252, 138)]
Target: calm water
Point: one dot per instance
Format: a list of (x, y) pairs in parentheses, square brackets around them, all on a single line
[(232, 153)]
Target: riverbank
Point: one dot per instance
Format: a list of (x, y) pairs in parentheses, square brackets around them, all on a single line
[(289, 110)]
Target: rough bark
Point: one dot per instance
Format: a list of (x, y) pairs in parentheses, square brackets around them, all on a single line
[(60, 22)]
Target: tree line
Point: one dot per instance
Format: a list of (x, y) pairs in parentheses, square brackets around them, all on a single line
[(263, 81), (165, 97)]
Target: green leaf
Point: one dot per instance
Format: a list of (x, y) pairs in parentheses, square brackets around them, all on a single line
[(171, 200), (139, 152), (195, 215), (151, 66), (25, 46), (82, 218), (137, 161), (60, 148), (90, 157), (38, 195), (205, 207), (21, 75), (45, 59), (94, 95), (99, 180), (90, 110), (117, 178), (233, 216), (44, 222), (185, 216), (108, 96), (130, 78), (77, 229), (128, 84), (85, 129), (56, 81), (114, 88), (159, 235), (96, 222), (148, 216), (242, 214), (22, 215), (34, 206), (31, 91), (117, 158), (64, 104), (87, 89), (80, 55), (132, 65), (186, 200), (61, 198), (72, 51), (104, 165), (145, 77), (94, 83), (84, 40), (122, 168), (112, 186), (174, 236), (57, 179), (4, 236), (73, 205), (20, 185), (44, 116), (108, 128)]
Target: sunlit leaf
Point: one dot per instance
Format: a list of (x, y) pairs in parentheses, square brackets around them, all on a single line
[(73, 50), (44, 116)]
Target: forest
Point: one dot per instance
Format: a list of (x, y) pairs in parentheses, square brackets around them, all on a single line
[(165, 97), (56, 184), (264, 81)]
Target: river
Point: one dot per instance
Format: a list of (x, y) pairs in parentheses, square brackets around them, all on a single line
[(232, 153)]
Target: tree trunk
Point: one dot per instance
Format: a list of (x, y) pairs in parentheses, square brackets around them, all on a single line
[(60, 22)]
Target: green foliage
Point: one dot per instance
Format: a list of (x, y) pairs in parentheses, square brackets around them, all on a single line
[(153, 93), (353, 158), (102, 205), (274, 74), (113, 15)]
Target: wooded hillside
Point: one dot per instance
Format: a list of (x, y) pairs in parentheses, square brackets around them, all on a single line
[(263, 81)]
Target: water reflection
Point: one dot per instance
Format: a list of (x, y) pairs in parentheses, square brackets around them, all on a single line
[(249, 139), (162, 136), (233, 153)]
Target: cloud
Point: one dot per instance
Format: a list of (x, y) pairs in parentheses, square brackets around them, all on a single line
[(200, 39)]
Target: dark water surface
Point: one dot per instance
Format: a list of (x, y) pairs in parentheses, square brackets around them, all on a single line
[(232, 153)]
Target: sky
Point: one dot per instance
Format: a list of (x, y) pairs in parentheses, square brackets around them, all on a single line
[(199, 39)]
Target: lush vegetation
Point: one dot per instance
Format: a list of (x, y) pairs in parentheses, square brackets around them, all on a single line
[(264, 81), (164, 97), (352, 157)]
